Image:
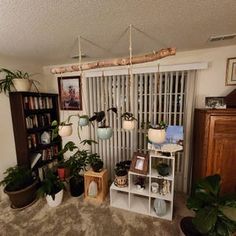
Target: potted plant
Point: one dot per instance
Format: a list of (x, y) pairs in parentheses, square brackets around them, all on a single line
[(83, 120), (18, 79), (128, 121), (214, 214), (51, 188), (121, 173), (20, 186), (157, 133), (163, 169), (104, 131), (95, 162)]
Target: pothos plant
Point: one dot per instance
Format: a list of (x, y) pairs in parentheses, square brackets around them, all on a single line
[(100, 117), (128, 116), (159, 125)]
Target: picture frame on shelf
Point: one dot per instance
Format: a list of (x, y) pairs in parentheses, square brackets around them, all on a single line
[(139, 163), (231, 72), (70, 97), (215, 102)]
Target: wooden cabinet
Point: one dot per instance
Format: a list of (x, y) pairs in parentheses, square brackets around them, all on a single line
[(214, 146), (32, 114)]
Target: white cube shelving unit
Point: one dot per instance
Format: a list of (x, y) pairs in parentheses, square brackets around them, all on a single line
[(142, 201)]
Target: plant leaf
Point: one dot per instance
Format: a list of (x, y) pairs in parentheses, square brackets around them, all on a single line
[(229, 212)]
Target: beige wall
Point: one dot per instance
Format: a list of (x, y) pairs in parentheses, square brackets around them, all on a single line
[(7, 144)]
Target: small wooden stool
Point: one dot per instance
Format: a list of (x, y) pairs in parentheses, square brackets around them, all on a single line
[(102, 182)]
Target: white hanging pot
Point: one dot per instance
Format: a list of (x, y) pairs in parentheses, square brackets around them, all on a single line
[(128, 124), (57, 201), (22, 84), (104, 133), (83, 121), (65, 130), (157, 135)]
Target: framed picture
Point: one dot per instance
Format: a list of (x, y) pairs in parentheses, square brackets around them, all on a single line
[(215, 102), (231, 71), (70, 93), (139, 163)]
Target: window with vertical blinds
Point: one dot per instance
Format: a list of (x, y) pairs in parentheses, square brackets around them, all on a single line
[(150, 97)]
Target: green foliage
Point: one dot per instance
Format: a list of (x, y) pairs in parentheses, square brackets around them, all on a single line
[(128, 116), (88, 141), (17, 178), (122, 168), (51, 185), (215, 214), (160, 125)]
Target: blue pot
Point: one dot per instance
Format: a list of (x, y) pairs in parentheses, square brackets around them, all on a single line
[(104, 133), (83, 121)]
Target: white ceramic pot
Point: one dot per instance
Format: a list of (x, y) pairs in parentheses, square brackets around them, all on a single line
[(128, 124), (57, 201), (65, 130), (157, 135), (104, 133), (22, 84)]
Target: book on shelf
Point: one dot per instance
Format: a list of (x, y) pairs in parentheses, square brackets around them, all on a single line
[(35, 158)]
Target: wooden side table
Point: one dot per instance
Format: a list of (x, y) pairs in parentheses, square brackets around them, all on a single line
[(102, 182)]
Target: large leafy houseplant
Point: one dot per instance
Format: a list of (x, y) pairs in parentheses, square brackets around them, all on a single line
[(7, 83), (215, 214)]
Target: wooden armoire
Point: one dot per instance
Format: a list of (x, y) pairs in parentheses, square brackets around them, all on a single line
[(214, 146)]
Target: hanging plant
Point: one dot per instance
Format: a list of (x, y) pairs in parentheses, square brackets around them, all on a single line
[(128, 121), (157, 133)]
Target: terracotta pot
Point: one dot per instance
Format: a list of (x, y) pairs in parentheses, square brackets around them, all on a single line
[(128, 124), (65, 130), (23, 197), (104, 133), (57, 201), (22, 84), (63, 172), (157, 135)]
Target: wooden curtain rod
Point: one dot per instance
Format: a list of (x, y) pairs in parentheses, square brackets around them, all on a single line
[(116, 62)]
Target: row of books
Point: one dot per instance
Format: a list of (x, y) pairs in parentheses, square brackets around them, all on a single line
[(34, 103), (39, 120)]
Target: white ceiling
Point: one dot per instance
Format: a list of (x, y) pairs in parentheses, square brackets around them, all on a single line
[(45, 31)]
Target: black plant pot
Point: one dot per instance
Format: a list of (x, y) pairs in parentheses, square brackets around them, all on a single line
[(163, 169), (188, 228), (76, 186), (97, 167)]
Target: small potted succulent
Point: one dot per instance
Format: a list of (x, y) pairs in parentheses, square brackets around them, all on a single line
[(121, 173), (20, 186), (128, 121), (104, 131), (95, 162), (51, 188), (18, 79), (157, 133)]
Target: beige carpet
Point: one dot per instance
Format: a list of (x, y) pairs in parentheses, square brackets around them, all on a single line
[(76, 217)]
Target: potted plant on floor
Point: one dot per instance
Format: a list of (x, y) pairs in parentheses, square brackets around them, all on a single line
[(121, 173), (20, 186), (51, 188), (157, 133), (95, 162), (128, 121), (104, 131), (214, 214), (18, 79)]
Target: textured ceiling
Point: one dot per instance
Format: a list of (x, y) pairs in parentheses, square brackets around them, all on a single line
[(45, 31)]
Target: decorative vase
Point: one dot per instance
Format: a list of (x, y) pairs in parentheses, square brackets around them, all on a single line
[(160, 206), (157, 135), (57, 201), (128, 124), (104, 133), (121, 181), (22, 84), (65, 130), (83, 121), (93, 189)]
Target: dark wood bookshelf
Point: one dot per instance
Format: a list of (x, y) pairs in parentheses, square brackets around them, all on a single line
[(32, 114)]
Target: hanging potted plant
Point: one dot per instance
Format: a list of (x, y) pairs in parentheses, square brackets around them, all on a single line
[(128, 121), (104, 131), (121, 173), (95, 162), (20, 186), (19, 80), (51, 188), (83, 120), (157, 133)]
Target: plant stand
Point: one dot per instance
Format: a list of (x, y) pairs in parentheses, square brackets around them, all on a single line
[(102, 182), (142, 200)]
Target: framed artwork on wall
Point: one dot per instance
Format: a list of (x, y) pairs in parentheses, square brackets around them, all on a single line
[(231, 71), (70, 93), (139, 163)]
